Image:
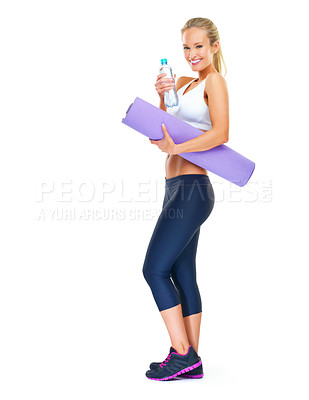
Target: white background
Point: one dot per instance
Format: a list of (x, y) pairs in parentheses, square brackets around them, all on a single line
[(78, 320)]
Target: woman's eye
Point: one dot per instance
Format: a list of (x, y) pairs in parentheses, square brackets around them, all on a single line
[(196, 46)]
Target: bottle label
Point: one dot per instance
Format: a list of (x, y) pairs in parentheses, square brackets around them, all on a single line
[(167, 71)]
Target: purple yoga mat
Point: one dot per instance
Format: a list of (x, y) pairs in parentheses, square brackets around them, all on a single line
[(221, 160)]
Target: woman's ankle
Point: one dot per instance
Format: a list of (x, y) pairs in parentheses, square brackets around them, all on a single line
[(181, 348)]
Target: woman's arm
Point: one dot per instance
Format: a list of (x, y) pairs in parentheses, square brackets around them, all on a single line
[(218, 104), (162, 105)]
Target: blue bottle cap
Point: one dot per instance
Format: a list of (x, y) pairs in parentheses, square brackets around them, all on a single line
[(164, 61)]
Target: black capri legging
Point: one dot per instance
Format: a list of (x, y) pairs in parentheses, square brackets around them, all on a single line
[(188, 202)]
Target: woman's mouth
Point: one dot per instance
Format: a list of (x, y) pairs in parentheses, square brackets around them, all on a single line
[(195, 62)]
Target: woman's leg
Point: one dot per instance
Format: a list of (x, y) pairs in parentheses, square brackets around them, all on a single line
[(181, 217), (172, 316), (176, 328), (182, 331), (193, 326), (184, 277), (185, 330), (173, 231)]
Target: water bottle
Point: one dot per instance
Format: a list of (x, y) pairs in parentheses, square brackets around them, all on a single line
[(170, 96)]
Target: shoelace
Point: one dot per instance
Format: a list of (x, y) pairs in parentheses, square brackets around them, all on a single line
[(165, 361)]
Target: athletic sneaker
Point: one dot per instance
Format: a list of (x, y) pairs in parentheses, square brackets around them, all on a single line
[(174, 365), (195, 373)]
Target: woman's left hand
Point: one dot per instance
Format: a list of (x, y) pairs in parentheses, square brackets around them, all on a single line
[(166, 144)]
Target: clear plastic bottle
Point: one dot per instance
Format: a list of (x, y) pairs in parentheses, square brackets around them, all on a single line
[(170, 96)]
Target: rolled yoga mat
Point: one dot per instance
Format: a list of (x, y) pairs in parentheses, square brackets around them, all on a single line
[(221, 160)]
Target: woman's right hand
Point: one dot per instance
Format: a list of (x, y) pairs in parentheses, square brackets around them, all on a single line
[(164, 84)]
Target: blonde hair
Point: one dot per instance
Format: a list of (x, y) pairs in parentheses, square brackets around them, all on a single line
[(213, 35)]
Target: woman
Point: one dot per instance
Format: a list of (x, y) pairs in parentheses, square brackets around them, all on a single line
[(169, 266)]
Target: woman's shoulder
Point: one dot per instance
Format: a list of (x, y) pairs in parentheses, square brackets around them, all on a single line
[(215, 77), (214, 80)]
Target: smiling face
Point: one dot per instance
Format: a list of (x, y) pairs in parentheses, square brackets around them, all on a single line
[(197, 49)]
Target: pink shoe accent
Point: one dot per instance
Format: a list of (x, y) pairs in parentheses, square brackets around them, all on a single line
[(175, 352), (169, 356), (178, 373), (165, 361)]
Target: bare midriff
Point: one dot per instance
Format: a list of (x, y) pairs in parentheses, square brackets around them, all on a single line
[(176, 165)]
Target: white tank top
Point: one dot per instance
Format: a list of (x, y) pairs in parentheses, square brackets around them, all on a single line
[(192, 107)]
